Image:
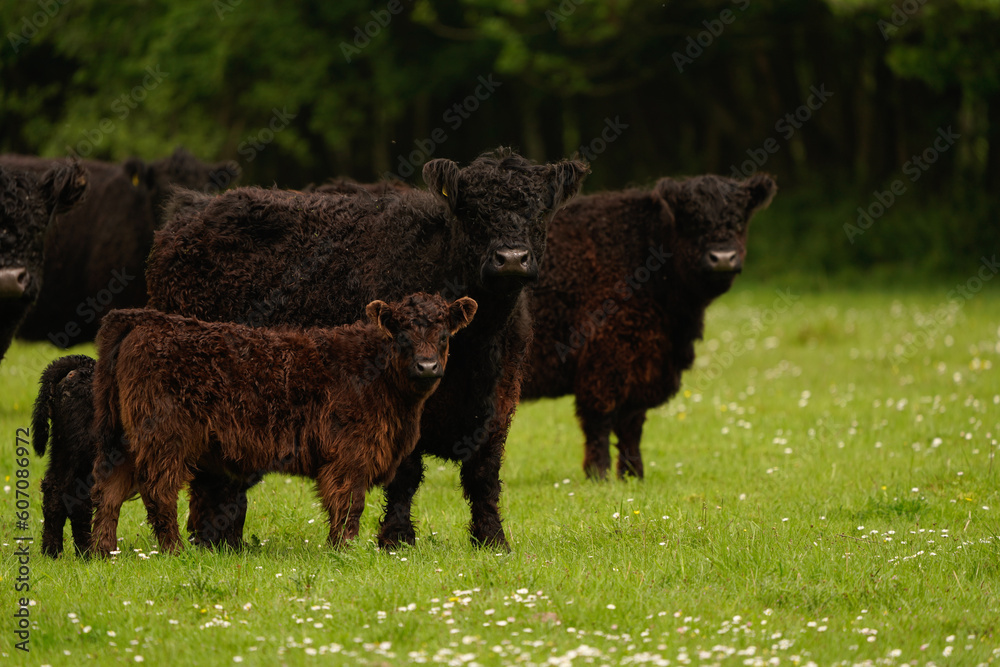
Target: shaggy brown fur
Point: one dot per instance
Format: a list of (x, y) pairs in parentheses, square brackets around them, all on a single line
[(66, 399), (254, 400), (28, 203), (95, 254), (268, 257), (621, 299)]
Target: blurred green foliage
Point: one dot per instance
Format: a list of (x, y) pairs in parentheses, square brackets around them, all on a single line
[(303, 90)]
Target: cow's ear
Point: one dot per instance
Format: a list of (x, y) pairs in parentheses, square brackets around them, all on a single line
[(380, 314), (668, 192), (564, 181), (761, 188), (64, 185), (441, 177), (460, 313), (138, 173)]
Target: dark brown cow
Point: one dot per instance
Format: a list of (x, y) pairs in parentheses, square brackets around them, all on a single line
[(621, 299), (28, 203), (187, 393), (95, 254)]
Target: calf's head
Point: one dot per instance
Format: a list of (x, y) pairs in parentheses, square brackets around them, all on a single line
[(28, 205), (706, 219), (180, 170), (420, 328), (502, 204)]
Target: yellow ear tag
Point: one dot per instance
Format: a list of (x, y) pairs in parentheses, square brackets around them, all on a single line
[(135, 179), (444, 191)]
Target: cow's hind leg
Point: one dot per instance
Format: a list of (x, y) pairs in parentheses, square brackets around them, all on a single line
[(397, 524), (162, 473), (628, 427), (81, 508), (114, 483), (597, 444), (54, 511)]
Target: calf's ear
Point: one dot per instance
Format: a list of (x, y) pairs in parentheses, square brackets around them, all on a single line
[(380, 315), (441, 177), (761, 188), (460, 313), (565, 179), (63, 186), (668, 192)]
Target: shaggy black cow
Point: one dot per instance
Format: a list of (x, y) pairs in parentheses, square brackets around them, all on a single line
[(65, 399), (621, 299), (96, 253), (268, 257), (28, 203)]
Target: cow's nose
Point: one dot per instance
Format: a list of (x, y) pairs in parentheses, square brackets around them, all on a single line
[(723, 260), (429, 368), (13, 281), (512, 261)]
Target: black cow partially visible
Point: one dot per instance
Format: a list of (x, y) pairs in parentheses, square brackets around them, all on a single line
[(28, 203), (95, 255)]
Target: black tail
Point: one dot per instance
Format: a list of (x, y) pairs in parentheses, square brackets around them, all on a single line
[(42, 411)]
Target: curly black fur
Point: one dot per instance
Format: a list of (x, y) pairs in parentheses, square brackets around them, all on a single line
[(65, 399)]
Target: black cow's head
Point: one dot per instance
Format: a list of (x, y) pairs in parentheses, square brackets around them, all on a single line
[(28, 204), (183, 170), (502, 204), (420, 327), (707, 218)]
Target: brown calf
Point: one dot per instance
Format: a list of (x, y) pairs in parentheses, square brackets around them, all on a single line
[(340, 405)]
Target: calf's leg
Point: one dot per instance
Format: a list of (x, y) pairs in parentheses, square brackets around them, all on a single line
[(343, 497), (628, 427), (54, 511), (159, 495), (397, 524), (112, 486), (81, 508)]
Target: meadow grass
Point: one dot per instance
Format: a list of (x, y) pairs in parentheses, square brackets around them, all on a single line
[(821, 491)]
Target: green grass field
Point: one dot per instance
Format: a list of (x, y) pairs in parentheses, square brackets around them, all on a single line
[(822, 491)]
